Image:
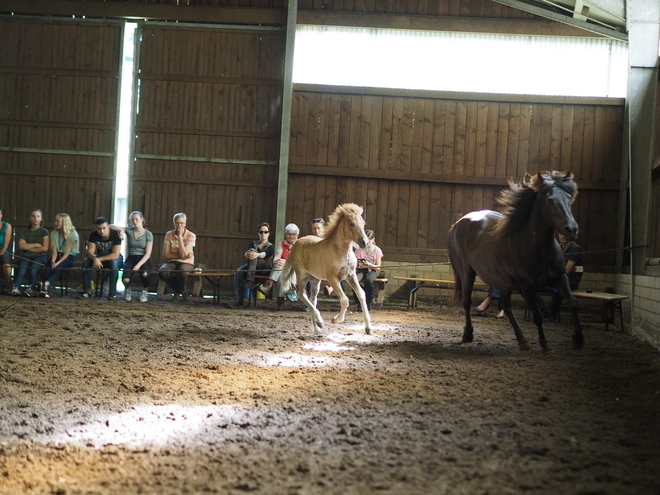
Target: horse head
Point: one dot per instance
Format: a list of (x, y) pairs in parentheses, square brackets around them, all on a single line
[(347, 221), (556, 192)]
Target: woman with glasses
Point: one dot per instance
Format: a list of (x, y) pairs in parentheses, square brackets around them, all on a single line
[(259, 256)]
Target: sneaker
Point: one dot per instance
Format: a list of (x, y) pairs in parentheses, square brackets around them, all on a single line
[(144, 296), (112, 297), (292, 296), (127, 295), (15, 292), (44, 293), (265, 288), (85, 295), (28, 293)]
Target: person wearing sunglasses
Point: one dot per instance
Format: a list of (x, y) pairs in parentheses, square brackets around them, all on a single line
[(259, 256)]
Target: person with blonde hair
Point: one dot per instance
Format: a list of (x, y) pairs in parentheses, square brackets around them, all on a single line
[(64, 246)]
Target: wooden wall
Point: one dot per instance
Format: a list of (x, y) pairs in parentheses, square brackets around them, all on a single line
[(58, 113), (418, 162), (207, 134)]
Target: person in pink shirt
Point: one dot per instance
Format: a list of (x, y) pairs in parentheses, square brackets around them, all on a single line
[(178, 257)]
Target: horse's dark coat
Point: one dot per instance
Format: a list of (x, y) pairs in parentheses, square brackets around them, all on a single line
[(516, 249)]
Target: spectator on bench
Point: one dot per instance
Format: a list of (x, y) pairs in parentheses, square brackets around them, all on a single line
[(64, 247), (179, 256), (369, 260), (5, 251), (103, 251), (33, 245), (259, 256)]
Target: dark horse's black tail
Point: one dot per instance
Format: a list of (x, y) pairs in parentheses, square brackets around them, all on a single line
[(458, 287)]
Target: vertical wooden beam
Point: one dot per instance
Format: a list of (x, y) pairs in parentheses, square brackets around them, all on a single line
[(285, 130)]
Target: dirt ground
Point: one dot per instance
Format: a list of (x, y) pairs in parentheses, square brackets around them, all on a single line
[(112, 397)]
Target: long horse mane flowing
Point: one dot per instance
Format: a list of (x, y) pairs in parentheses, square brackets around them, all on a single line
[(336, 216), (516, 202)]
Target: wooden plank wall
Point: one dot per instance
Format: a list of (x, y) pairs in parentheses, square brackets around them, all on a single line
[(58, 88), (207, 135), (417, 164)]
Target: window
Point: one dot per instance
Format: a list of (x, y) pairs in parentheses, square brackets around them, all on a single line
[(483, 63)]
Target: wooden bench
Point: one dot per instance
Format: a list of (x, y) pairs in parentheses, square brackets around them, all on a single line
[(610, 303), (213, 279), (416, 283)]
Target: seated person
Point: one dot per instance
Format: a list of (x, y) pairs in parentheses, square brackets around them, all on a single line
[(179, 257), (32, 247), (369, 260), (139, 244), (493, 293), (291, 232), (574, 269), (103, 251), (64, 247), (5, 251), (259, 256)]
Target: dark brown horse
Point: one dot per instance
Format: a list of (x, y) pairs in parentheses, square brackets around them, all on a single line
[(517, 249)]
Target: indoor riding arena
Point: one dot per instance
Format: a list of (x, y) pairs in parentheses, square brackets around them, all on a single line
[(252, 116)]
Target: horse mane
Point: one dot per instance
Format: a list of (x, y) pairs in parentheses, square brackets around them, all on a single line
[(516, 202), (337, 215)]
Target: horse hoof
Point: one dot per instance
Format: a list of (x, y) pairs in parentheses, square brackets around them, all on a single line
[(578, 342), (467, 338), (367, 331), (524, 345)]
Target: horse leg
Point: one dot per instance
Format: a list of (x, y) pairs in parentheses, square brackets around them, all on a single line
[(343, 301), (523, 343), (565, 290), (467, 285), (317, 319), (355, 283)]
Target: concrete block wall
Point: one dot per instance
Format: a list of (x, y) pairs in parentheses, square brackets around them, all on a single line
[(643, 312)]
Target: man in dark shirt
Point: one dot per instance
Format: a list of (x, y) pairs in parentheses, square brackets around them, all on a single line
[(574, 270), (103, 251)]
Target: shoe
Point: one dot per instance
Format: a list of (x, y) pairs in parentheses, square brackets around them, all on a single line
[(28, 293), (44, 293), (15, 292), (480, 311), (127, 295), (112, 297), (175, 298), (85, 295), (292, 296), (144, 296), (306, 309), (500, 315), (265, 288)]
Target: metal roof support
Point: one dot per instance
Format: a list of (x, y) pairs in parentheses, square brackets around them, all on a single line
[(548, 14), (285, 132)]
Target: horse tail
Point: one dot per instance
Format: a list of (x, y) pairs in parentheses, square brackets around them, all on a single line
[(458, 287), (288, 277)]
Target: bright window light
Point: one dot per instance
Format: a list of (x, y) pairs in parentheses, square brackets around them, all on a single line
[(464, 62)]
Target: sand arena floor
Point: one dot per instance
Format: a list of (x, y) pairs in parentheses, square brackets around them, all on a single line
[(113, 397)]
